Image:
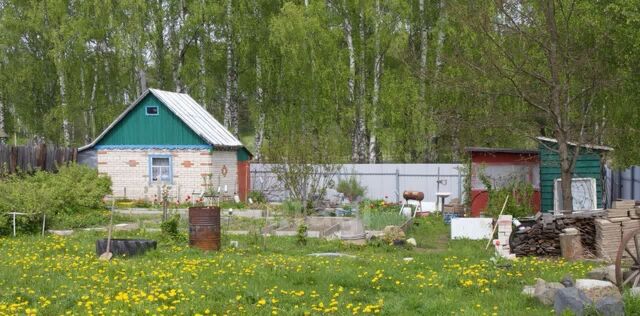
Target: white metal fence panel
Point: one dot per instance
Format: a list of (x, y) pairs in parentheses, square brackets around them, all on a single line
[(383, 181)]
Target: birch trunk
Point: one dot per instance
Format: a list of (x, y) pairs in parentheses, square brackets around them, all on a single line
[(429, 151), (83, 101), (66, 130), (92, 118), (361, 128), (3, 134), (442, 21), (230, 106), (377, 72), (259, 136), (202, 89), (178, 71), (348, 35)]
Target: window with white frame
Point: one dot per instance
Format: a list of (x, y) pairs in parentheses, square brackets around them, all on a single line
[(583, 191), (160, 169)]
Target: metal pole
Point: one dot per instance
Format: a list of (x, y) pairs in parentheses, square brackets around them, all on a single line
[(14, 224), (44, 221), (460, 186), (397, 185), (633, 183)]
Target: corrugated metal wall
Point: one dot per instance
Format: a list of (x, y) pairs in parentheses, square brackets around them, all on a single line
[(625, 184), (383, 181)]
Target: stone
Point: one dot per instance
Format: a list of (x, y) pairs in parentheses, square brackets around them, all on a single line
[(571, 299), (597, 289), (392, 233), (546, 291), (528, 291), (412, 242), (567, 281), (610, 306), (331, 254), (61, 232), (607, 273)]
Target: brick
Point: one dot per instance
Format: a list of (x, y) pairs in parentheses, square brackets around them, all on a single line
[(187, 164), (102, 152), (102, 162), (133, 163)]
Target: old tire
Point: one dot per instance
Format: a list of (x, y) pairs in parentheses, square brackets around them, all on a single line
[(125, 247)]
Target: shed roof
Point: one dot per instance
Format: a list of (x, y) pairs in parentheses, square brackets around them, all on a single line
[(187, 110), (589, 146), (501, 150)]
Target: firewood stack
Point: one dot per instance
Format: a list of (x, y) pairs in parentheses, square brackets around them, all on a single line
[(543, 238), (622, 218)]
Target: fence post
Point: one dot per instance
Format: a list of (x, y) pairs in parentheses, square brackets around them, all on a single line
[(397, 185), (460, 186)]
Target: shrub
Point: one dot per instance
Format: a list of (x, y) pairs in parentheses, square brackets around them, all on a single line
[(519, 204), (170, 226), (301, 235), (292, 208), (351, 189), (73, 189), (257, 197)]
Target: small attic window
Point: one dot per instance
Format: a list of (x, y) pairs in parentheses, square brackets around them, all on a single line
[(151, 110)]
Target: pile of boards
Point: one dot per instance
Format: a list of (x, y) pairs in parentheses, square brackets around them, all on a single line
[(622, 218)]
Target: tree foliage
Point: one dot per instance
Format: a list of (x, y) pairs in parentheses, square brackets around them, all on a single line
[(338, 80)]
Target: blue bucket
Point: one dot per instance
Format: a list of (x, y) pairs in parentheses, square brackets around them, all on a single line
[(448, 216)]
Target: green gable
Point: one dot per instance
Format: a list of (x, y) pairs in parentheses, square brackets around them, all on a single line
[(588, 165), (243, 154), (138, 128)]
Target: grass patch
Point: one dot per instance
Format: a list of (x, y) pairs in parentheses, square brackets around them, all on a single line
[(54, 275)]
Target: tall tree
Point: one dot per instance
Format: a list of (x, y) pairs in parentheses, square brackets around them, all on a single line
[(231, 96)]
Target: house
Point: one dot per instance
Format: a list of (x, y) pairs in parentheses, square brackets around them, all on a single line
[(501, 167), (588, 176), (168, 138)]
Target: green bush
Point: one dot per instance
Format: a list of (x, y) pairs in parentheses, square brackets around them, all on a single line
[(73, 189), (520, 196), (170, 226), (292, 208), (351, 188), (257, 197)]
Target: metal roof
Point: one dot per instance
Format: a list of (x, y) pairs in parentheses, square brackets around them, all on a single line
[(501, 150), (190, 112), (590, 146)]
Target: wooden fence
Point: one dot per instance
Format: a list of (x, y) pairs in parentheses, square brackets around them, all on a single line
[(35, 157)]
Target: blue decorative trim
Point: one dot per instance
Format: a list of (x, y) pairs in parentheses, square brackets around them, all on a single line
[(146, 110), (170, 182), (169, 147)]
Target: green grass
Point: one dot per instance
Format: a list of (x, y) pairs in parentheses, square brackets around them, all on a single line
[(379, 220), (55, 275)]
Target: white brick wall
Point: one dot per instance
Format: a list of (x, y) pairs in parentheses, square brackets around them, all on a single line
[(130, 169)]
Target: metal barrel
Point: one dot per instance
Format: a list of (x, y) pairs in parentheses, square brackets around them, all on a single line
[(204, 227), (413, 195)]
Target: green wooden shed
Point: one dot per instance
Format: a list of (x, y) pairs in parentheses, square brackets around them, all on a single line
[(589, 165)]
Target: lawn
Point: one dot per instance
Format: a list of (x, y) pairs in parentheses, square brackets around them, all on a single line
[(61, 275)]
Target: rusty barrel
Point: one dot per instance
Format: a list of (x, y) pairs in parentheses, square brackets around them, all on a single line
[(204, 227), (413, 195)]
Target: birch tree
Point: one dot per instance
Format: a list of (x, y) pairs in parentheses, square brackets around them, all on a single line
[(230, 100), (375, 94)]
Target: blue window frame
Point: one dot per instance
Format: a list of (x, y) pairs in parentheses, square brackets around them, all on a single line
[(151, 110), (160, 169)]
